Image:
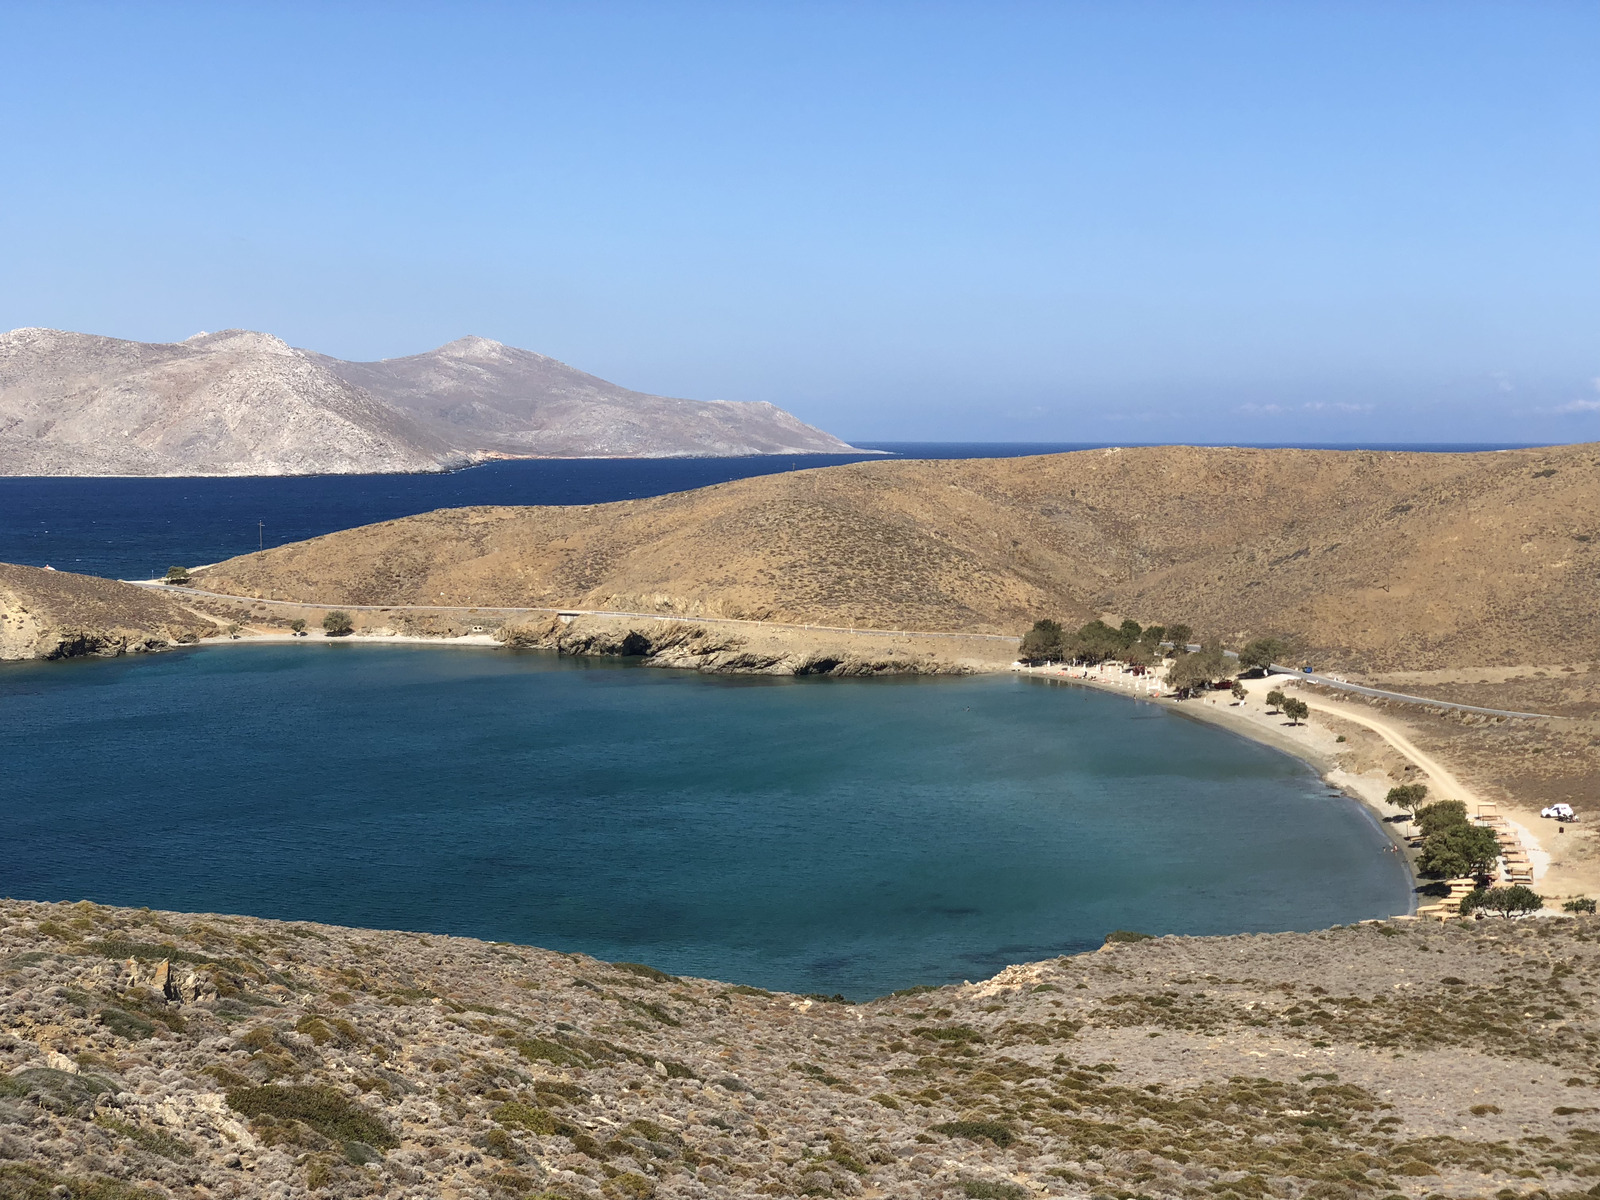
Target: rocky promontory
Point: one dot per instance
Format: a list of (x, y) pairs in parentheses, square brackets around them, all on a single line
[(150, 1054), (57, 614)]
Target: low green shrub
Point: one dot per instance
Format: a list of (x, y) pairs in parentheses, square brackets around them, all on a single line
[(948, 1033), (323, 1108), (995, 1131), (126, 1025), (987, 1189), (516, 1115), (25, 1181), (152, 1140)]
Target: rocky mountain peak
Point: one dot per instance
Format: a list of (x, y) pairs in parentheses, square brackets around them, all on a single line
[(474, 347)]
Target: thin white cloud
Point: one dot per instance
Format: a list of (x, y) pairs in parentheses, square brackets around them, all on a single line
[(1577, 406), (1259, 408), (1317, 406)]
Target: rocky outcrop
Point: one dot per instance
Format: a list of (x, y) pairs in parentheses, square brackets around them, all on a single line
[(701, 648), (55, 614)]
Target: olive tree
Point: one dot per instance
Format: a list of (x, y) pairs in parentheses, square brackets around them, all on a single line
[(1261, 652), (1296, 710), (1275, 699), (1458, 850), (1507, 901), (1409, 796), (338, 624), (1194, 671), (1042, 643)]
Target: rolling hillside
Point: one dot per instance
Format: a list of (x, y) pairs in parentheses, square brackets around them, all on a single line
[(1373, 560)]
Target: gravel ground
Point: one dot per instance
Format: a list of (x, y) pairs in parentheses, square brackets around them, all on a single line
[(146, 1053)]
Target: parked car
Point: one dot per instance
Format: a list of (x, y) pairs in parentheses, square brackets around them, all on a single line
[(1561, 812)]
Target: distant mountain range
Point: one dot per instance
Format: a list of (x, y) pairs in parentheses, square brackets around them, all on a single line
[(246, 403)]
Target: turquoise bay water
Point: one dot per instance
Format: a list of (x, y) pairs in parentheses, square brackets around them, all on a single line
[(817, 835)]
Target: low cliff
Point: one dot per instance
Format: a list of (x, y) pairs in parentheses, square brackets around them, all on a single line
[(747, 650)]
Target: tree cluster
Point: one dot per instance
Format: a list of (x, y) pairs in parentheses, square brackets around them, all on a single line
[(1196, 671), (1095, 642), (1262, 652), (1450, 846)]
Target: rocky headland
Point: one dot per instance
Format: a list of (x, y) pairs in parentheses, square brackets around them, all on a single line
[(147, 1054), (56, 614)]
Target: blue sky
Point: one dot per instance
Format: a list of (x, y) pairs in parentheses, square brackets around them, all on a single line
[(1128, 221)]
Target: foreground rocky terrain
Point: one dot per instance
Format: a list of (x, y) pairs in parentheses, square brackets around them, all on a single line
[(157, 1054), (245, 403)]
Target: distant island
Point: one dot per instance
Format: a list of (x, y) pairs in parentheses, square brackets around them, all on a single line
[(245, 403)]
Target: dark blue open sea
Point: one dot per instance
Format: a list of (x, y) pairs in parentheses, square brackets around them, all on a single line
[(818, 835), (137, 528)]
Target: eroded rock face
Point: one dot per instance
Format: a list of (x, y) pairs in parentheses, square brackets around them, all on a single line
[(705, 648), (1394, 1058)]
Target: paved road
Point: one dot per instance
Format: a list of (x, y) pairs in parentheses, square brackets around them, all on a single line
[(581, 612), (1402, 697)]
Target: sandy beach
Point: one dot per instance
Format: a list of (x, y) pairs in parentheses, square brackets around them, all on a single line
[(1365, 752)]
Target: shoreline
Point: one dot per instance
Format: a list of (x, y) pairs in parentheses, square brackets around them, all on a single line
[(1323, 761)]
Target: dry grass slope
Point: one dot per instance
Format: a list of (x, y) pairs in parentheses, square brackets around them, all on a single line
[(1373, 560)]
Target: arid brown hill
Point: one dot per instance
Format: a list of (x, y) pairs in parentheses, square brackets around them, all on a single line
[(56, 614), (1376, 560)]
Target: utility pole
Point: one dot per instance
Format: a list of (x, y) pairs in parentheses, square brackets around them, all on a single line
[(261, 535)]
